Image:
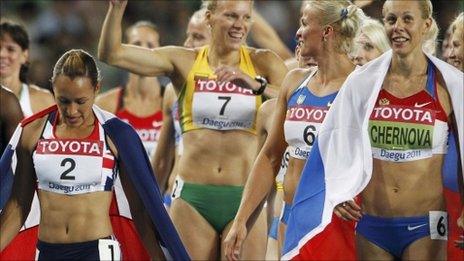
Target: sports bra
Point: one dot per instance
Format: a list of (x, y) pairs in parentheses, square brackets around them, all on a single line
[(206, 103), (73, 166), (148, 128), (411, 128), (305, 114)]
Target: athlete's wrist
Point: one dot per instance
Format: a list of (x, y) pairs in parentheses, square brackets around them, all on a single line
[(262, 84)]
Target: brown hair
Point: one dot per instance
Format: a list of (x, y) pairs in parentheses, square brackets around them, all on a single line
[(77, 63), (18, 33)]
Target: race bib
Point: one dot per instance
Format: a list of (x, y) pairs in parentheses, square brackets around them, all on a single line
[(438, 225)]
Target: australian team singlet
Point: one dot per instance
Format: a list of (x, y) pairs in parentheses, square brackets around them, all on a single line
[(206, 103)]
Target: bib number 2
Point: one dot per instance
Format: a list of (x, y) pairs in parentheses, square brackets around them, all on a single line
[(70, 167)]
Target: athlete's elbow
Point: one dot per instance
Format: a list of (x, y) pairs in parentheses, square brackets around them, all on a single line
[(107, 55)]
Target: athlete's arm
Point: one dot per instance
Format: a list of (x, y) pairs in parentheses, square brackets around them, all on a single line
[(264, 121), (142, 220), (139, 60), (109, 100), (266, 37), (271, 67), (10, 114), (18, 206), (164, 156), (262, 176)]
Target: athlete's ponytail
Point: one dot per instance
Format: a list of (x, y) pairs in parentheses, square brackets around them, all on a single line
[(77, 63)]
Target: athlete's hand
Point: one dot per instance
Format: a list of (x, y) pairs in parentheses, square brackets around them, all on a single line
[(460, 243), (348, 210), (118, 3), (234, 240), (237, 77)]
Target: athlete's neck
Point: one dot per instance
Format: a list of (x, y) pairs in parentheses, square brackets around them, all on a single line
[(332, 66), (143, 87), (13, 83), (409, 65), (220, 56)]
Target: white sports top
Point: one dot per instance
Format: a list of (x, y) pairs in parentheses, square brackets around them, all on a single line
[(25, 100), (73, 166)]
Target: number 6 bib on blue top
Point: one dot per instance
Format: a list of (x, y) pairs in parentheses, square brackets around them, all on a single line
[(305, 114)]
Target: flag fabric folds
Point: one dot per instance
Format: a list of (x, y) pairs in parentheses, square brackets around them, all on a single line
[(340, 164), (132, 154)]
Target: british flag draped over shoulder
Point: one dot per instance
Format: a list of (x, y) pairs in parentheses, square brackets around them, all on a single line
[(132, 153), (340, 164)]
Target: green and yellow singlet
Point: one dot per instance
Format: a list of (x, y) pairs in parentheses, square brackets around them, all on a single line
[(206, 103)]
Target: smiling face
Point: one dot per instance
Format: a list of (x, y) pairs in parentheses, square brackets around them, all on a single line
[(310, 33), (456, 57), (143, 36), (12, 56), (230, 23), (405, 26), (365, 50), (75, 98)]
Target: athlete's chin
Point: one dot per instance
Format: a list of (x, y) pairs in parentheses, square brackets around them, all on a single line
[(74, 121)]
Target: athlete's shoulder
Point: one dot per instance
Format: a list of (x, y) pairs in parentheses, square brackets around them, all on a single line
[(263, 54), (42, 94), (6, 94), (294, 78), (33, 125), (268, 106), (108, 100), (180, 52)]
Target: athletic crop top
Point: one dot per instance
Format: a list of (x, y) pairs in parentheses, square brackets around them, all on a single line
[(206, 103), (305, 113), (148, 128), (73, 166), (411, 128)]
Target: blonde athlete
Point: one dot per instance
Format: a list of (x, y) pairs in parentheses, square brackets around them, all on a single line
[(456, 57), (326, 32), (165, 160), (403, 208), (220, 87), (370, 43)]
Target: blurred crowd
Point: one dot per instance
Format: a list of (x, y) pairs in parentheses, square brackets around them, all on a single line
[(57, 26)]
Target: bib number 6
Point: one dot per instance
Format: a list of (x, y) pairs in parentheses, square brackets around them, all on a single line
[(438, 225), (309, 135)]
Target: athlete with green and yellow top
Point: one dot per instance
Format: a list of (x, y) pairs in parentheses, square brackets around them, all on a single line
[(220, 88)]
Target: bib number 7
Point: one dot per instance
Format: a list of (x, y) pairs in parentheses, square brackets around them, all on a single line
[(226, 100)]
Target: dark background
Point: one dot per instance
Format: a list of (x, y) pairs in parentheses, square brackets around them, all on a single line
[(57, 26)]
